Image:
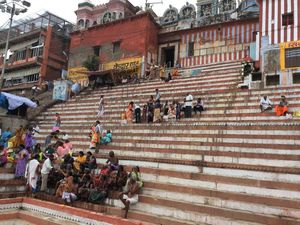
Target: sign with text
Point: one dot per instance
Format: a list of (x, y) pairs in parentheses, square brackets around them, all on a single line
[(125, 64), (78, 74), (290, 55)]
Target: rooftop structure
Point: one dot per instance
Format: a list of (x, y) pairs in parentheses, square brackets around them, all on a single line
[(38, 46), (89, 14)]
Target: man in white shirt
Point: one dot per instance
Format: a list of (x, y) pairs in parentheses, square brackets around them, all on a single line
[(265, 104), (47, 167), (188, 103)]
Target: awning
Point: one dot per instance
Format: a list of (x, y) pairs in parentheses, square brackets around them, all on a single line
[(99, 72)]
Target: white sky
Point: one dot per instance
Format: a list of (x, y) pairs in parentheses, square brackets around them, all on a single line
[(66, 8)]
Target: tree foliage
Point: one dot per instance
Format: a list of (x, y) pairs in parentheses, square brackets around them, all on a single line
[(91, 63)]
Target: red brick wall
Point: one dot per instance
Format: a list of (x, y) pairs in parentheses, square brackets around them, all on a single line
[(56, 60), (137, 35)]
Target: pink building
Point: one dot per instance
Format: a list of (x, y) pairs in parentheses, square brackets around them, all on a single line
[(90, 15)]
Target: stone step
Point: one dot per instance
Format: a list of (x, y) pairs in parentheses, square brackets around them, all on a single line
[(7, 195), (12, 188), (133, 214), (191, 132), (259, 208), (188, 175), (204, 118), (211, 110), (192, 136), (165, 87), (113, 107), (256, 165), (203, 213), (212, 95), (204, 195), (212, 92)]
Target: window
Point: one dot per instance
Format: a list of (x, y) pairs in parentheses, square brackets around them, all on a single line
[(80, 23), (20, 55), (292, 57), (32, 78), (296, 78), (256, 76), (114, 16), (97, 50), (87, 24), (191, 49), (116, 46), (254, 34), (272, 80), (287, 19)]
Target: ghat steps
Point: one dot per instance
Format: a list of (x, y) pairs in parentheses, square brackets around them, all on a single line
[(232, 165)]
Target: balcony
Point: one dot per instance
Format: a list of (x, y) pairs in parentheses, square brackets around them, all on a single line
[(24, 57)]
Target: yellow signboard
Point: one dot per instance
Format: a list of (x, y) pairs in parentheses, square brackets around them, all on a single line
[(289, 54), (78, 74), (125, 64)]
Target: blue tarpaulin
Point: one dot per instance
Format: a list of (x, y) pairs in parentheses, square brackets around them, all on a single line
[(11, 102)]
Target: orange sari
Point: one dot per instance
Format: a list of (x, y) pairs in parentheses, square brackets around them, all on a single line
[(281, 110), (129, 113)]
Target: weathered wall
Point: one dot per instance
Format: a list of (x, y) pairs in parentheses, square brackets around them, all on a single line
[(12, 122), (137, 35)]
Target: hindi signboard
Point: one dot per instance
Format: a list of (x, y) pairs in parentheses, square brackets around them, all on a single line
[(290, 55), (125, 64)]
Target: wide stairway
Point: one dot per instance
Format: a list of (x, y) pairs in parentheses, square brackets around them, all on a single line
[(233, 165)]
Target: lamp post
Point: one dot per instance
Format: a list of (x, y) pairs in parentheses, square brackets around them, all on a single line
[(14, 8)]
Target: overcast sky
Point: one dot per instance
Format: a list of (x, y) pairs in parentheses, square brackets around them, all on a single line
[(66, 8)]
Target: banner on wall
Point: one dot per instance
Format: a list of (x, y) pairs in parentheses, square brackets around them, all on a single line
[(290, 55), (78, 75), (133, 63)]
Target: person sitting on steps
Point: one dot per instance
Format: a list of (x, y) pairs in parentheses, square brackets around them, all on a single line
[(265, 104), (199, 107), (282, 108), (130, 197)]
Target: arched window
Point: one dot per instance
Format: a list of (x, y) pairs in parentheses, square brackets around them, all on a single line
[(87, 24), (114, 16), (95, 23), (106, 17), (80, 23), (120, 15)]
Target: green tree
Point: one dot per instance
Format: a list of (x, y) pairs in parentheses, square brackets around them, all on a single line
[(91, 63)]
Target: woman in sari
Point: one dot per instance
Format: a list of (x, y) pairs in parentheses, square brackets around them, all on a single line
[(23, 158), (107, 138), (95, 137), (282, 108), (129, 112), (18, 140), (135, 175), (28, 139)]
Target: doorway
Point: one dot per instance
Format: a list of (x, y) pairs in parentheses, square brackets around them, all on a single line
[(168, 56)]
